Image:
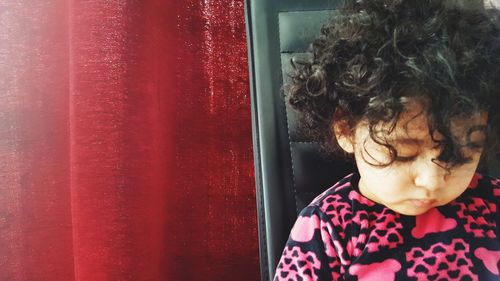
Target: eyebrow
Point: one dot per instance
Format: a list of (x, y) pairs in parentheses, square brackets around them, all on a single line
[(409, 141)]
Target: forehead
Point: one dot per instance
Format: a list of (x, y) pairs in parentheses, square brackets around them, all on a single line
[(413, 125)]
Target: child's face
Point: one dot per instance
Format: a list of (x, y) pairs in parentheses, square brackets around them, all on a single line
[(414, 186)]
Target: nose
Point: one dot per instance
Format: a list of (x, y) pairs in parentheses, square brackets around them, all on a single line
[(430, 176)]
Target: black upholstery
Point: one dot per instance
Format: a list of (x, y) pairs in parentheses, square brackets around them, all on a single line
[(289, 169)]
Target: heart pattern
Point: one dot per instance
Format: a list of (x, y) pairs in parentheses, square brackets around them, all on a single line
[(432, 222)]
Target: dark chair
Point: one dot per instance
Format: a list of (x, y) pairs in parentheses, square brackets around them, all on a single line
[(289, 169)]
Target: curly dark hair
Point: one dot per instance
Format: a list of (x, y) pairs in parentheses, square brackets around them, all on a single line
[(374, 55)]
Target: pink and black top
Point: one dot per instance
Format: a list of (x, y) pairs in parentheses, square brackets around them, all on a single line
[(342, 235)]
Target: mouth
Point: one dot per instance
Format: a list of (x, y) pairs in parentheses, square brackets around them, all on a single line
[(422, 203)]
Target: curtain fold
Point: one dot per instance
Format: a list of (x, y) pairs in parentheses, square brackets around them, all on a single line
[(120, 158), (125, 139)]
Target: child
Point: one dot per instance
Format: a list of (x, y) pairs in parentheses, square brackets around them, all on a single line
[(409, 89)]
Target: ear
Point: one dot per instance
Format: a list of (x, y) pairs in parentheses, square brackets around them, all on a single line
[(344, 135)]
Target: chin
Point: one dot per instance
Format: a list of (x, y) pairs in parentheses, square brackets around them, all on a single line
[(416, 212), (412, 211)]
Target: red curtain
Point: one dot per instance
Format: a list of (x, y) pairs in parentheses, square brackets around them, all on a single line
[(125, 141)]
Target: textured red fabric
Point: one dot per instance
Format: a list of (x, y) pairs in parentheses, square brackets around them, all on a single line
[(215, 151), (35, 216), (125, 136)]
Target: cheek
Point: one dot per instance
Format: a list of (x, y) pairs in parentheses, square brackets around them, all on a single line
[(391, 179), (463, 175)]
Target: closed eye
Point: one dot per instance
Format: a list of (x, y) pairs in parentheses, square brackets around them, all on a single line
[(405, 158)]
